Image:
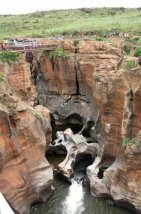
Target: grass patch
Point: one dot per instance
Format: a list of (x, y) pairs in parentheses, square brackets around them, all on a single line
[(126, 142), (130, 64), (100, 39), (127, 49), (137, 52), (139, 41), (9, 56), (66, 22), (37, 114), (59, 52)]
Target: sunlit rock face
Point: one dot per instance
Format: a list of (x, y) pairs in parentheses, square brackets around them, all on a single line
[(95, 82), (62, 85), (25, 174), (25, 133)]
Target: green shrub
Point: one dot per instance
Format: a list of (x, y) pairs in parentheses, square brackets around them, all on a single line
[(127, 49), (139, 41), (37, 114), (76, 42), (117, 33), (1, 77), (136, 39), (103, 34), (137, 52), (59, 52), (64, 33), (126, 142), (130, 64), (100, 39), (9, 56)]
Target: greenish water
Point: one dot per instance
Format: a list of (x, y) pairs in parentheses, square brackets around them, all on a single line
[(75, 199)]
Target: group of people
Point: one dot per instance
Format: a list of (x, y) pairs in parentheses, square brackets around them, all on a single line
[(33, 44)]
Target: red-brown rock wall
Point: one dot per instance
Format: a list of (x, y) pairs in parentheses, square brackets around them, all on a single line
[(25, 133), (98, 71)]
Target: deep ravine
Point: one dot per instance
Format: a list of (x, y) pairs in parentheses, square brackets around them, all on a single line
[(75, 199)]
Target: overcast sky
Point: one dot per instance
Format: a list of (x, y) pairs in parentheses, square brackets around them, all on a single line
[(27, 6)]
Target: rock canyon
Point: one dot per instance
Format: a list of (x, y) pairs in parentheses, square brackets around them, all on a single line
[(88, 93)]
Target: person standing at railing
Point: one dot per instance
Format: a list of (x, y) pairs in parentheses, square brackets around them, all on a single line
[(2, 47), (35, 44)]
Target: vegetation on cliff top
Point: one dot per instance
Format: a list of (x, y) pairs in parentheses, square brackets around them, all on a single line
[(59, 52), (138, 52), (9, 56), (130, 64), (64, 22)]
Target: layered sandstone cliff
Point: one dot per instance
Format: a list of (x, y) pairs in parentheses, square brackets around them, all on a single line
[(25, 132), (95, 82)]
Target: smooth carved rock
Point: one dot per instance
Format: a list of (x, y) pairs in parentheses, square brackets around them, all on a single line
[(121, 180), (75, 145), (92, 81), (25, 174), (97, 186), (25, 133), (97, 71), (88, 131), (85, 83)]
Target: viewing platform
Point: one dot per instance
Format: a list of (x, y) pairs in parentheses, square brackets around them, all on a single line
[(28, 48)]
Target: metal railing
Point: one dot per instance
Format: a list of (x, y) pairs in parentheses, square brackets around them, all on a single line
[(24, 48)]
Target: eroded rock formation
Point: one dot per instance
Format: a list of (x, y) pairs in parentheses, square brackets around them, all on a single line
[(25, 133), (120, 177), (94, 82), (75, 145)]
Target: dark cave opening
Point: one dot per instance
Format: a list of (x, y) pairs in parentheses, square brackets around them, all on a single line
[(86, 132), (55, 159), (73, 121), (101, 172), (106, 163), (81, 163), (56, 155)]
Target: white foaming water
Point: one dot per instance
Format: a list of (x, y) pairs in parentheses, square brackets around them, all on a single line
[(74, 202)]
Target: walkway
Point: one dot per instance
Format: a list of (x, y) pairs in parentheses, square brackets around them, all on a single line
[(30, 48)]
